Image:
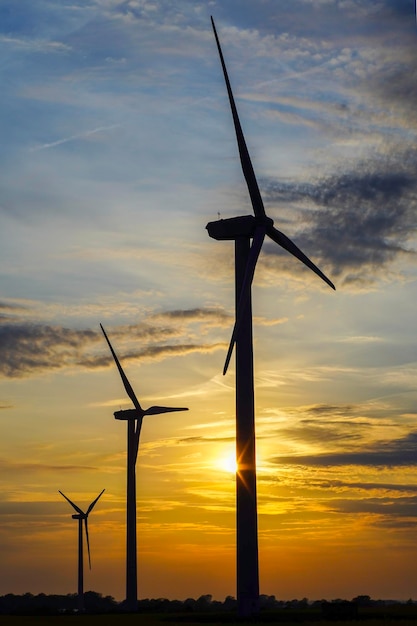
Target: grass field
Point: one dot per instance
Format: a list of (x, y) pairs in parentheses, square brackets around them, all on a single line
[(383, 616), (165, 620)]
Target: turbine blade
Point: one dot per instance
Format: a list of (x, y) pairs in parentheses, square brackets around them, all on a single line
[(255, 249), (156, 410), (77, 508), (286, 243), (123, 376), (249, 174), (137, 437), (88, 541), (92, 505)]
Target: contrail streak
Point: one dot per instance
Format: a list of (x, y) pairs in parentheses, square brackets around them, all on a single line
[(45, 146)]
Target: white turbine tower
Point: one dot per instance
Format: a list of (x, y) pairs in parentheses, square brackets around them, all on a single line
[(242, 230), (134, 419), (82, 517)]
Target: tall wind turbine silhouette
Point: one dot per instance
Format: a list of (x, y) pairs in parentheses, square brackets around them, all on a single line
[(82, 517), (134, 419), (241, 230)]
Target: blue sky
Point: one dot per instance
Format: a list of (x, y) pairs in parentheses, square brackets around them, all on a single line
[(117, 149)]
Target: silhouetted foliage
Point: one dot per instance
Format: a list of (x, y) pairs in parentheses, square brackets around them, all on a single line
[(301, 610), (43, 604), (340, 610)]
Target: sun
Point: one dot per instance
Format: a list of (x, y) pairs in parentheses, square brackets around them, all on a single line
[(227, 462)]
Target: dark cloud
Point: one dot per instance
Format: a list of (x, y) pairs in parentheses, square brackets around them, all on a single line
[(396, 453), (366, 219), (396, 523), (330, 409), (217, 317), (316, 433), (392, 83), (400, 506), (198, 439), (398, 86), (11, 307), (314, 482), (344, 485), (326, 423), (7, 311), (27, 348)]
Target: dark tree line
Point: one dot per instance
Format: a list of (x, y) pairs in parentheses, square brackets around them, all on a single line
[(43, 604)]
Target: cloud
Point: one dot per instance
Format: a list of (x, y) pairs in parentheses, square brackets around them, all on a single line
[(366, 218), (401, 506), (8, 310), (364, 486), (197, 439), (330, 409), (214, 317), (34, 45), (28, 347), (396, 453), (357, 12), (328, 431), (395, 85), (7, 306), (11, 467)]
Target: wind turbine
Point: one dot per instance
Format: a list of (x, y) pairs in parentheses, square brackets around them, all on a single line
[(81, 516), (241, 230), (134, 419)]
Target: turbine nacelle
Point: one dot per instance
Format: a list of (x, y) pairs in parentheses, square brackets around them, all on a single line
[(128, 414), (229, 229)]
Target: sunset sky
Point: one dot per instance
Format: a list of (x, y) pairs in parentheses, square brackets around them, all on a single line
[(117, 149)]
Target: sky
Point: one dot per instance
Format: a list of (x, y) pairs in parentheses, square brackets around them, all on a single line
[(117, 149)]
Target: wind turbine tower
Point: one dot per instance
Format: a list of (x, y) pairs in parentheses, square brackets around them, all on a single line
[(134, 419), (242, 230), (82, 517)]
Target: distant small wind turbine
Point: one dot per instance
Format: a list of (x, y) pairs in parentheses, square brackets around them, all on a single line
[(241, 230), (134, 419), (81, 516)]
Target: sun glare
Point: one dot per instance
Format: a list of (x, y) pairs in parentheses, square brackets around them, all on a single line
[(227, 462)]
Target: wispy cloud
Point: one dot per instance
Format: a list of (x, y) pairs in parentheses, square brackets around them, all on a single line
[(34, 45), (22, 467)]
